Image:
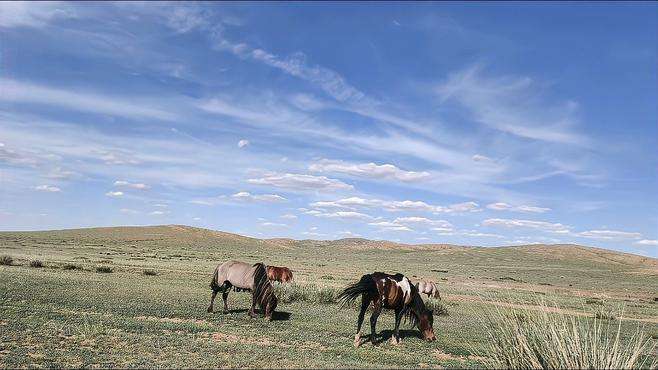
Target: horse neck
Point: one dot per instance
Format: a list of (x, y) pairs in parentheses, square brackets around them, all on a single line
[(417, 305)]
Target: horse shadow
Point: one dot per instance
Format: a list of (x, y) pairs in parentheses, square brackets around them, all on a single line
[(385, 335), (281, 316)]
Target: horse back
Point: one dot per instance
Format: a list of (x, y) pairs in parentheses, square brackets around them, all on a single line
[(239, 274)]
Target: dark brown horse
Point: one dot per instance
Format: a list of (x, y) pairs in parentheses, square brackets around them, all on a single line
[(392, 292), (247, 277), (280, 274)]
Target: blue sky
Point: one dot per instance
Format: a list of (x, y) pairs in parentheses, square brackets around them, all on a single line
[(475, 124)]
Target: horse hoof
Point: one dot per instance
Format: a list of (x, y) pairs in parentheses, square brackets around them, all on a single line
[(394, 341), (357, 341), (209, 309)]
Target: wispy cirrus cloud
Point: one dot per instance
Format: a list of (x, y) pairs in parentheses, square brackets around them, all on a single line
[(24, 92), (495, 102)]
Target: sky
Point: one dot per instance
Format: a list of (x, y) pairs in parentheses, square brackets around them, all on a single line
[(466, 123)]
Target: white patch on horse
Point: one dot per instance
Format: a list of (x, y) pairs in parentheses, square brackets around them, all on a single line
[(405, 285)]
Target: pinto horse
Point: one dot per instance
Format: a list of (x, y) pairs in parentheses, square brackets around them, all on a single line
[(280, 274), (247, 277), (394, 292)]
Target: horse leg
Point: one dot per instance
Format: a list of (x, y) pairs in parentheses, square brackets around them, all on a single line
[(399, 312), (377, 309), (251, 312), (212, 299), (225, 292), (365, 301)]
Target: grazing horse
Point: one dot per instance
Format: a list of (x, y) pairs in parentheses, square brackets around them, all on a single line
[(392, 292), (280, 274), (244, 276), (429, 288)]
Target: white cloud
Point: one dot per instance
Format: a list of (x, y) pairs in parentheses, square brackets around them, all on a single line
[(48, 188), (242, 143), (289, 216), (139, 186), (609, 234), (369, 170), (32, 14), (248, 197), (394, 206), (114, 194), (423, 221), (538, 225), (22, 92), (346, 215), (272, 224), (481, 158), (511, 104), (647, 242), (301, 182), (159, 213), (390, 226), (501, 206), (128, 211), (349, 234)]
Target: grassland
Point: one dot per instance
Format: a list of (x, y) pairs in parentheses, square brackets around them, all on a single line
[(92, 304)]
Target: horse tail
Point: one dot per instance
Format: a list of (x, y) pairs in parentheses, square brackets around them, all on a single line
[(261, 282), (353, 291), (213, 283)]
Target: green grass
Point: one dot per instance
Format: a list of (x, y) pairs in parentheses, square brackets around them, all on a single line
[(59, 316)]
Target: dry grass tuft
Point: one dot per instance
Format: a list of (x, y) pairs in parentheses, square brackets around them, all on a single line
[(36, 263), (6, 260), (524, 339), (104, 269), (150, 272)]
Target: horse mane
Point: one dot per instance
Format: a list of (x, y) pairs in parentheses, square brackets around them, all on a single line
[(262, 286), (417, 307)]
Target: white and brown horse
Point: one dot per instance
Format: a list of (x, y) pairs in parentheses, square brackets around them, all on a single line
[(392, 292), (248, 277)]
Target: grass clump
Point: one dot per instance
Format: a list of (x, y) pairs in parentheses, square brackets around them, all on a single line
[(545, 339), (36, 263), (437, 306), (150, 272), (288, 293), (6, 260), (71, 266), (104, 269)]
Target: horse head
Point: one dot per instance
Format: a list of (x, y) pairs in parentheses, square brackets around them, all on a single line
[(425, 324)]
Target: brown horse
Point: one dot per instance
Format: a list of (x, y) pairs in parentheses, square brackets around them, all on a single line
[(280, 274), (392, 292), (248, 277)]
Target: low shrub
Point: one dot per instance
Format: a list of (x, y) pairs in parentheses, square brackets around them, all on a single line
[(71, 266), (437, 306), (544, 339), (287, 293), (150, 272), (598, 301), (36, 263), (6, 260), (104, 269)]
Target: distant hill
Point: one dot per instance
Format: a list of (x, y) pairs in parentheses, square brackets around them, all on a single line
[(172, 235)]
